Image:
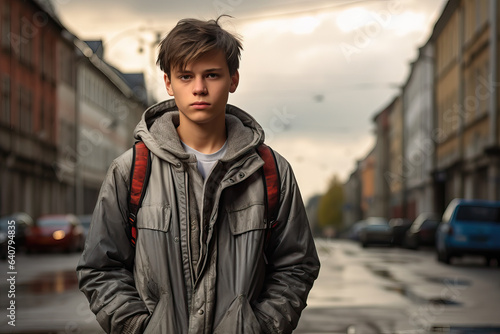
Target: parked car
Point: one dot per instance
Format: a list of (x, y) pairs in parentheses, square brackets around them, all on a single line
[(51, 232), (469, 227), (375, 231), (353, 232), (85, 221), (3, 242), (422, 231), (23, 222), (399, 227)]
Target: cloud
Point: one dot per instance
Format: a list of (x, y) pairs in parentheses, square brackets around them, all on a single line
[(297, 80), (315, 160)]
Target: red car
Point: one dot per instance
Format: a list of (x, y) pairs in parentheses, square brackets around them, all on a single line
[(61, 232)]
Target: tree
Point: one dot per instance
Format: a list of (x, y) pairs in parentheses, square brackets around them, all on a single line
[(330, 205)]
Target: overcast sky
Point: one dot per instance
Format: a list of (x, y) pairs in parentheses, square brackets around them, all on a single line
[(313, 73)]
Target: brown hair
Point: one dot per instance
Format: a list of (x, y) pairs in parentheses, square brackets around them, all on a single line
[(191, 38)]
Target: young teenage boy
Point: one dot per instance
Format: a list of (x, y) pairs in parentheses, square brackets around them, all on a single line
[(199, 264)]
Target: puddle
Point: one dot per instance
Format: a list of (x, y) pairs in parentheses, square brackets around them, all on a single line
[(350, 253), (384, 273), (398, 261), (441, 301), (336, 268), (408, 293), (465, 330), (54, 282), (449, 281)]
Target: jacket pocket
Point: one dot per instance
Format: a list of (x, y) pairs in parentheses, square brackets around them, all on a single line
[(157, 316), (246, 219), (239, 318), (162, 320), (154, 217)]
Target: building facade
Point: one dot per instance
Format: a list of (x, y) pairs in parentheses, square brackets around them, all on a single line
[(108, 111), (419, 141), (352, 198), (466, 38), (381, 151), (395, 174), (367, 175), (443, 132), (65, 113), (28, 116)]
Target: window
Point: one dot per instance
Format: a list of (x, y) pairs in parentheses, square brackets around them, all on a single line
[(48, 59), (66, 65), (51, 130), (25, 110), (6, 25), (26, 41), (478, 213), (42, 53), (5, 111), (42, 127)]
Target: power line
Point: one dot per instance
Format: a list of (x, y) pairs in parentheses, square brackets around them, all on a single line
[(303, 11)]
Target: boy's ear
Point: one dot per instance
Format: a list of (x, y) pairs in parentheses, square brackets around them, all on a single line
[(168, 84), (235, 79)]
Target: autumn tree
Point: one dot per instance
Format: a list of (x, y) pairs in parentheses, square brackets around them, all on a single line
[(330, 205)]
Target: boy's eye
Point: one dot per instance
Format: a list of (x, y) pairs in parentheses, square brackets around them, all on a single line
[(184, 77), (212, 75)]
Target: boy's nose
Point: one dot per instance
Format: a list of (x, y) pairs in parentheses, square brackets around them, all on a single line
[(199, 87)]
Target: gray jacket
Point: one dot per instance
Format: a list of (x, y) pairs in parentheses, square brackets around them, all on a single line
[(199, 264)]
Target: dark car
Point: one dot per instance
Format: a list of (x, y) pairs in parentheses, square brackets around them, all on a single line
[(399, 227), (353, 232), (56, 232), (423, 231), (22, 222), (375, 231), (3, 241)]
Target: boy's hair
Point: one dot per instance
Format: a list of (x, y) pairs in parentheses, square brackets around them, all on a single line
[(192, 38)]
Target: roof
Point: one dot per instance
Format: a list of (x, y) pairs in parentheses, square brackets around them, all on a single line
[(48, 7), (97, 47)]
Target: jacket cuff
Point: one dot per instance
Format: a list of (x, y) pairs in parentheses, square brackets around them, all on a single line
[(135, 324)]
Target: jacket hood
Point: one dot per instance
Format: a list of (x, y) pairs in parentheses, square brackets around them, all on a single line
[(157, 129)]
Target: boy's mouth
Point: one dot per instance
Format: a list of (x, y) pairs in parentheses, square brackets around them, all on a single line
[(200, 105)]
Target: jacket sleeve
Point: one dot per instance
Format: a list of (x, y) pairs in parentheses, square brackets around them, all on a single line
[(105, 269), (293, 263)]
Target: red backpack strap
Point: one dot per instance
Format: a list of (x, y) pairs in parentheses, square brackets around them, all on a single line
[(139, 177), (271, 178)]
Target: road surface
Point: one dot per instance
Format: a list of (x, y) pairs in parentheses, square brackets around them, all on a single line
[(373, 290)]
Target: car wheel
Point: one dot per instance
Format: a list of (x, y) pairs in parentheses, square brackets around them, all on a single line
[(444, 256)]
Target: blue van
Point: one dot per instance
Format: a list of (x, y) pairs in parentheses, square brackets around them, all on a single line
[(469, 227)]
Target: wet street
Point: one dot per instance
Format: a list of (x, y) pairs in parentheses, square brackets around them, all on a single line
[(373, 290), (393, 290)]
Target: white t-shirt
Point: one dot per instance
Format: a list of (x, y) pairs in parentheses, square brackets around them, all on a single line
[(206, 161)]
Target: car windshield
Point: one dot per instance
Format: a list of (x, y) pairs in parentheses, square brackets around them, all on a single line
[(377, 227), (430, 223), (52, 222), (478, 214)]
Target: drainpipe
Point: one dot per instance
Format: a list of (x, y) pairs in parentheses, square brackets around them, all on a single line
[(494, 190), (461, 126)]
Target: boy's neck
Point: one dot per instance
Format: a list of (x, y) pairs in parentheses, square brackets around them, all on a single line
[(205, 138)]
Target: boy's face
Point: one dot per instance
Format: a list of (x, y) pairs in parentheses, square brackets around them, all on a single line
[(201, 89)]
